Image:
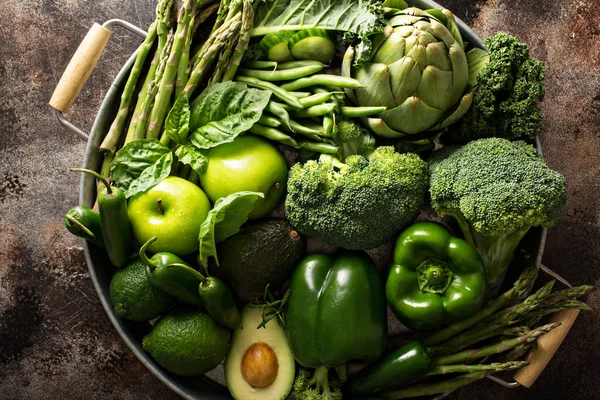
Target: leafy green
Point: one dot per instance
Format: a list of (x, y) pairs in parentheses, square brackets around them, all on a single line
[(134, 158), (224, 220), (223, 111), (363, 17), (177, 124), (192, 156), (151, 176)]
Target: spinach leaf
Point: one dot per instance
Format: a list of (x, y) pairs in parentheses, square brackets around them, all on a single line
[(362, 17), (223, 111), (192, 156), (177, 124), (151, 176), (133, 159), (224, 220)]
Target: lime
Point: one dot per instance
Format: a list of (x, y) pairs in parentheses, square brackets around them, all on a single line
[(187, 342), (133, 296)]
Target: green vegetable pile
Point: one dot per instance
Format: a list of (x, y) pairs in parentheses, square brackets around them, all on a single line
[(260, 148)]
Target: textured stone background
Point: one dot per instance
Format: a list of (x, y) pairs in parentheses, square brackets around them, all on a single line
[(56, 341)]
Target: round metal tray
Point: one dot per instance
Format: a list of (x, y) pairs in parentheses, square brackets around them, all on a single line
[(529, 252)]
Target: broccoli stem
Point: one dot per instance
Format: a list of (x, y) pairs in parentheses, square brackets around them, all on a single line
[(320, 379)]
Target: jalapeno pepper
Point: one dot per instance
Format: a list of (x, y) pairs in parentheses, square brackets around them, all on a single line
[(436, 278), (401, 367), (165, 272), (84, 222), (219, 302), (114, 221)]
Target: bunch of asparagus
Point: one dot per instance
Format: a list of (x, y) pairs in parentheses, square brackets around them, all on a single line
[(182, 60), (509, 324)]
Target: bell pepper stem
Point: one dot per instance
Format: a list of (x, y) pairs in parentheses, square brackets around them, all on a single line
[(74, 221), (152, 265), (200, 277), (97, 175)]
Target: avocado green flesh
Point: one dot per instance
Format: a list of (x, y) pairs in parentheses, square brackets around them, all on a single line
[(243, 338)]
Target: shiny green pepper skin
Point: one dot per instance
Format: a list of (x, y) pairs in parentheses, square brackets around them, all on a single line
[(401, 367), (336, 311), (84, 222), (219, 302), (436, 278)]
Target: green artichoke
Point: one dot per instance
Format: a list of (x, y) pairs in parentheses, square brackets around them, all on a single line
[(418, 70)]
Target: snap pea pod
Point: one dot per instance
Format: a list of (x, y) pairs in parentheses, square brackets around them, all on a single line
[(283, 65), (280, 111), (270, 121), (84, 222), (259, 64), (315, 111), (278, 92), (300, 94), (322, 80), (315, 99), (273, 134), (324, 148), (280, 74), (114, 221), (359, 112)]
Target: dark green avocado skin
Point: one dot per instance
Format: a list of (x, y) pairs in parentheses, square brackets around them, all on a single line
[(262, 253)]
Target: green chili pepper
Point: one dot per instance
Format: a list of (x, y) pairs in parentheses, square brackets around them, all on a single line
[(401, 367), (219, 302), (114, 221), (436, 278), (84, 222), (165, 273)]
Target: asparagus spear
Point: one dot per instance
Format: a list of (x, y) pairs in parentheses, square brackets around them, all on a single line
[(243, 41), (222, 62), (492, 368), (505, 345), (426, 389), (167, 82), (521, 286)]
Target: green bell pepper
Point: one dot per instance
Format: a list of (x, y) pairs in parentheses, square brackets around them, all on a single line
[(336, 311), (436, 278)]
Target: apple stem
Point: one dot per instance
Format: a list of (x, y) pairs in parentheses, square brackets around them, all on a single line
[(161, 210), (145, 258)]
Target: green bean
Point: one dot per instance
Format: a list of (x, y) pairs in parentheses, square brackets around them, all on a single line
[(315, 99), (322, 79), (299, 64), (334, 99), (273, 134), (300, 95), (358, 112), (305, 131), (269, 121), (328, 124), (277, 91), (326, 148), (261, 64), (315, 111), (280, 111), (280, 75)]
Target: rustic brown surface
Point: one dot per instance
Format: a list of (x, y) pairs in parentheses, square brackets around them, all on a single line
[(56, 341)]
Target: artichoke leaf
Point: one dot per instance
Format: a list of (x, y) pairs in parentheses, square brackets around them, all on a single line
[(446, 17), (477, 59), (347, 71), (460, 71), (391, 50), (379, 127), (413, 116), (375, 90), (440, 31), (437, 55), (405, 76), (435, 88), (457, 113)]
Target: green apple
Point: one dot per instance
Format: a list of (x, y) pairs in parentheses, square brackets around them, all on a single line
[(172, 211), (248, 163)]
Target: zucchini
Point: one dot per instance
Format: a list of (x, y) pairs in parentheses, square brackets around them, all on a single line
[(276, 46), (312, 44)]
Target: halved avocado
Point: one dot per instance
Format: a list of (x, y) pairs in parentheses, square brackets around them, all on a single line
[(260, 364)]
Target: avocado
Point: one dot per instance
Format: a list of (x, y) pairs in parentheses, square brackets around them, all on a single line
[(260, 364), (262, 253)]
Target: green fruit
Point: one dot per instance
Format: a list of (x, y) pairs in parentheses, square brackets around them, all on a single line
[(262, 253), (187, 342), (260, 364), (176, 222), (248, 163), (133, 296)]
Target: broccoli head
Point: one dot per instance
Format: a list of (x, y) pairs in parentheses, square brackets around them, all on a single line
[(358, 204), (496, 190), (353, 139), (316, 386), (505, 99)]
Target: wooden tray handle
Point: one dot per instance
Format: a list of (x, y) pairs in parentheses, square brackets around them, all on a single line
[(547, 345), (80, 67)]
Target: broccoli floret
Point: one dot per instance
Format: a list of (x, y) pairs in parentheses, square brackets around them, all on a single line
[(317, 386), (505, 100), (496, 190), (358, 204), (353, 139)]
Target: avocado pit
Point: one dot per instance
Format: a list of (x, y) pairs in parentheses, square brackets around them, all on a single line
[(260, 365)]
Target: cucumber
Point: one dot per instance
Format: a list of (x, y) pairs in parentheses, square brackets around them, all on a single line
[(276, 46), (312, 44)]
